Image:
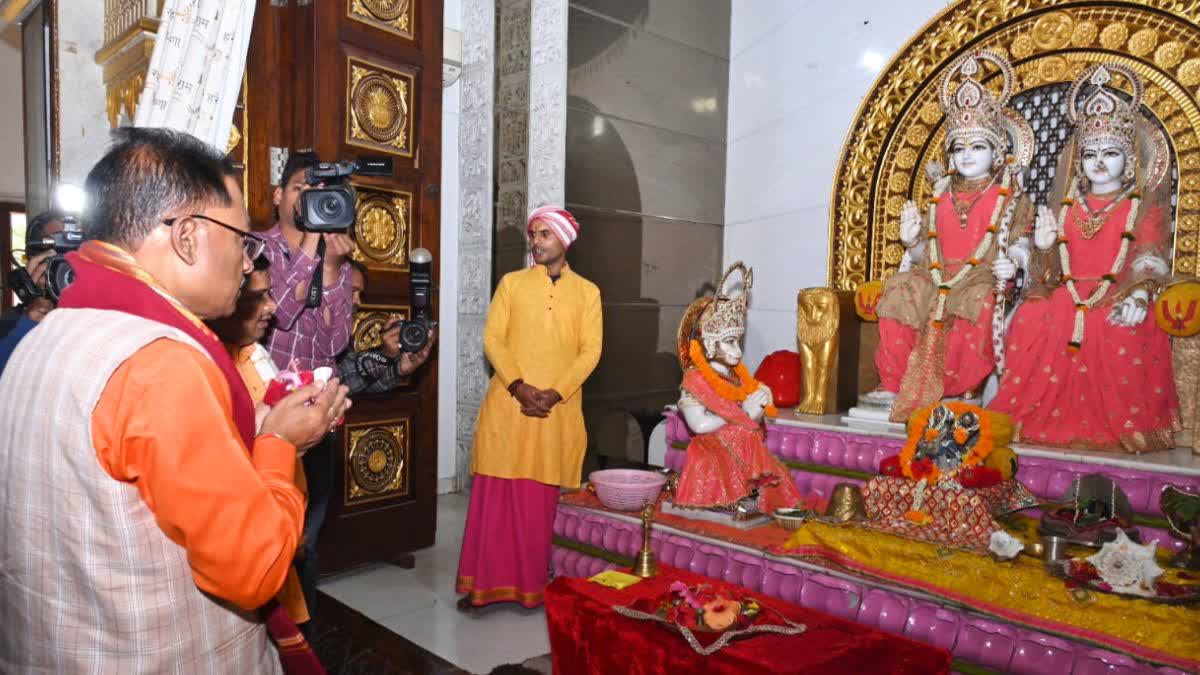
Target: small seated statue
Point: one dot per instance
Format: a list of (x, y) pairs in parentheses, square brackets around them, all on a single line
[(728, 465)]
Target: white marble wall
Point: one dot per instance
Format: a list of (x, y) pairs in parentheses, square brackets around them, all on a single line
[(798, 71), (448, 283), (82, 123)]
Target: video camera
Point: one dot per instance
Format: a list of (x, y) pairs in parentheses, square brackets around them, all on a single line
[(331, 208), (59, 274)]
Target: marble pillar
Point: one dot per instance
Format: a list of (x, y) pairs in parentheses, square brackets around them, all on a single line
[(475, 228), (547, 102)]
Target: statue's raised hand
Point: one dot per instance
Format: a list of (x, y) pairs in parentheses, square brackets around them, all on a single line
[(1131, 311), (1045, 229), (1003, 269), (910, 224)]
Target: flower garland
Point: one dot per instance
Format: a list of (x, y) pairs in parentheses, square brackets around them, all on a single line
[(999, 221), (1082, 306), (925, 469), (723, 387)]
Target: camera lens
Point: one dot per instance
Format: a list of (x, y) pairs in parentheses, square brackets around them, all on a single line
[(413, 336), (331, 207)]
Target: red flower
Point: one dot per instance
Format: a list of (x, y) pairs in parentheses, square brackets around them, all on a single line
[(890, 466), (284, 384), (922, 468)]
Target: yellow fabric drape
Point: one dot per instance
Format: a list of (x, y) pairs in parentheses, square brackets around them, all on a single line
[(1019, 590), (548, 334)]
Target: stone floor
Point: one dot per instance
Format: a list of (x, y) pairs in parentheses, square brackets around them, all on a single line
[(418, 605)]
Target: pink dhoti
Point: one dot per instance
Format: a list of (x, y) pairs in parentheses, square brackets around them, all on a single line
[(506, 545)]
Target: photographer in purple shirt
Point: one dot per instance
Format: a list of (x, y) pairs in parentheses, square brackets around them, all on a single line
[(307, 337)]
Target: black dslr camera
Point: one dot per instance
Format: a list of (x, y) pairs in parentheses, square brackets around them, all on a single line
[(59, 274), (414, 332), (332, 208)]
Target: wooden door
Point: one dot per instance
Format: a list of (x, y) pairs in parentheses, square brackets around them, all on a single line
[(352, 79)]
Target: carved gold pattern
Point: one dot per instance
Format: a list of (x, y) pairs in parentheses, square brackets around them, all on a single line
[(880, 163), (369, 321), (394, 16), (1113, 36), (378, 108), (1169, 54), (377, 461), (122, 96), (1143, 42), (1189, 72), (1022, 46), (381, 227), (1053, 30), (1085, 34)]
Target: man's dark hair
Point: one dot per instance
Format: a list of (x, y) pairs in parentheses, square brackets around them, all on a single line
[(298, 161), (147, 174), (36, 227)]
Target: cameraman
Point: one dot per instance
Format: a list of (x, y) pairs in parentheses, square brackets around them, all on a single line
[(18, 322), (379, 370), (306, 337)]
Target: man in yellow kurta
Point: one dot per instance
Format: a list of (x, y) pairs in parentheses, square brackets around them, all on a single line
[(542, 337)]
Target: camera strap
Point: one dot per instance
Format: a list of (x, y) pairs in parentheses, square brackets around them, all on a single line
[(317, 285)]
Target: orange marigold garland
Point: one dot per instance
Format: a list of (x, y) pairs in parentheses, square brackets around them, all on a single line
[(723, 387)]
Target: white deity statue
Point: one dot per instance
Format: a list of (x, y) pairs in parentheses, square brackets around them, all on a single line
[(1086, 367)]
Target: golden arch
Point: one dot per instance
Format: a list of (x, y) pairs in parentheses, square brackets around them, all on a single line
[(898, 127)]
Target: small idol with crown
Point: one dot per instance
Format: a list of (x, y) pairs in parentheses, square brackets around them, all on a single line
[(939, 319), (728, 464), (1085, 367)]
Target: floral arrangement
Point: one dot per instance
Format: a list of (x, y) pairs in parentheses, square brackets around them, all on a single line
[(723, 387), (287, 381), (702, 609)]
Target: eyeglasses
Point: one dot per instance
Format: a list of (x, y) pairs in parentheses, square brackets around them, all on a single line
[(252, 244)]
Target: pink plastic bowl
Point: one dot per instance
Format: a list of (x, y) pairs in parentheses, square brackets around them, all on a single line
[(627, 489)]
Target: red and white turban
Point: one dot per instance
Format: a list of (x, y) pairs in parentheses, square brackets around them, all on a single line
[(560, 222)]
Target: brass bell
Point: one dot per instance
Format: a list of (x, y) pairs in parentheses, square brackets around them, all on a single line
[(846, 503)]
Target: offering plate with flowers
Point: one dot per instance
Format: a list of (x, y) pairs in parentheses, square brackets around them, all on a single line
[(707, 618)]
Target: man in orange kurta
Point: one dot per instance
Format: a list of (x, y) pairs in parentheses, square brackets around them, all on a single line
[(143, 519), (543, 338)]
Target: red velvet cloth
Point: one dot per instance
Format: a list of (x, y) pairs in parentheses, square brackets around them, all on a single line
[(587, 636)]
